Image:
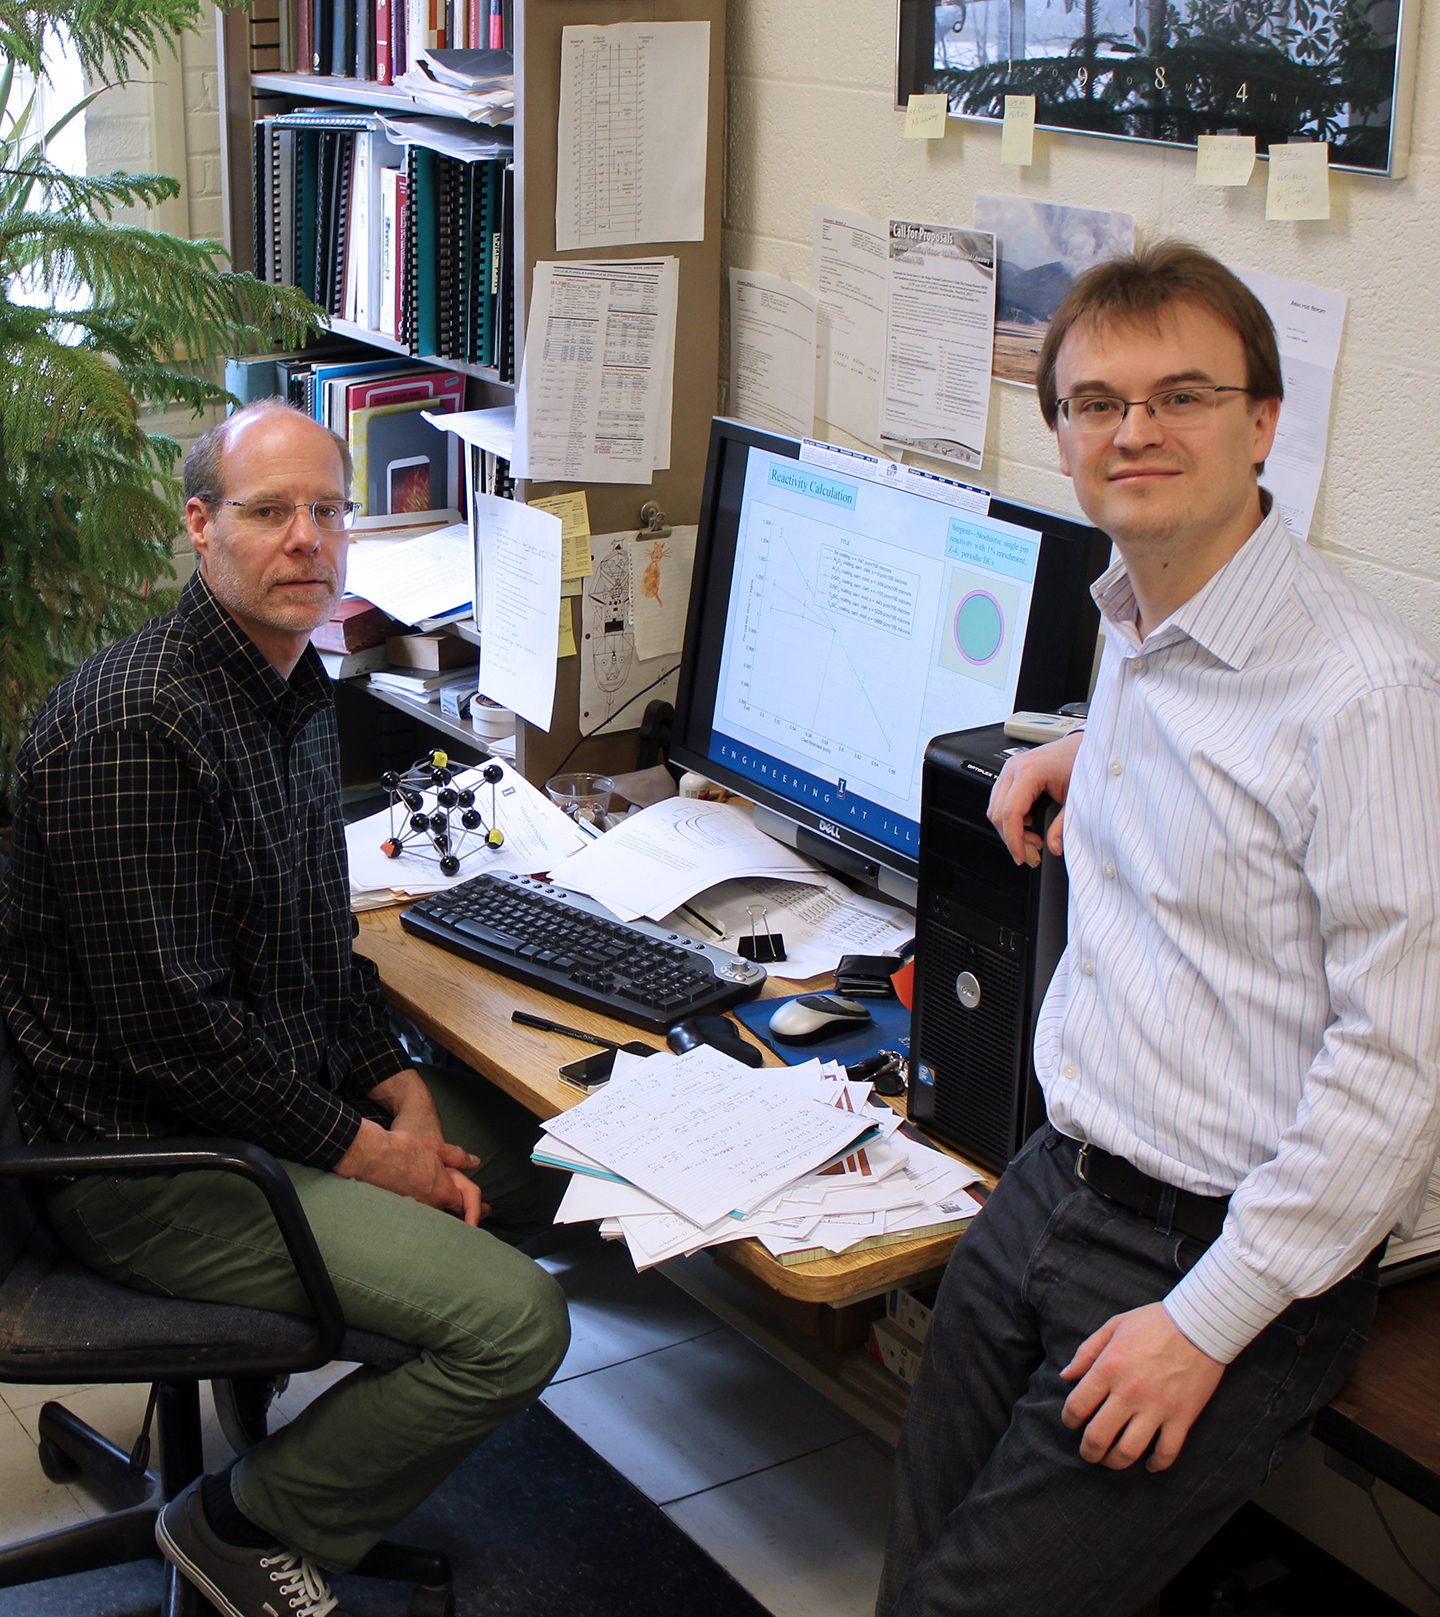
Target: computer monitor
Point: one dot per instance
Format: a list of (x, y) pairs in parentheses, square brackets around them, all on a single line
[(846, 610)]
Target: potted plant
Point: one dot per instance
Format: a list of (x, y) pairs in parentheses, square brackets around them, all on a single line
[(100, 322)]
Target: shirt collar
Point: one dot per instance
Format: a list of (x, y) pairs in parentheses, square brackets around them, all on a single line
[(249, 670), (1226, 614)]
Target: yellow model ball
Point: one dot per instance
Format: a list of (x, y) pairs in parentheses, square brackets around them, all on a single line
[(494, 837)]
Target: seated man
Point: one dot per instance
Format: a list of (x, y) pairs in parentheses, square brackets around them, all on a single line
[(175, 959), (1239, 1046)]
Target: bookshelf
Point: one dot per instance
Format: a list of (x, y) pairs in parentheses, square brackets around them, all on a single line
[(536, 39)]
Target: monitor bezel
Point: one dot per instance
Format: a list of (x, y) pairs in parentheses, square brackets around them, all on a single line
[(1056, 666)]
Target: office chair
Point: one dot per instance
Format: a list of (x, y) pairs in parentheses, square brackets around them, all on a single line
[(61, 1322)]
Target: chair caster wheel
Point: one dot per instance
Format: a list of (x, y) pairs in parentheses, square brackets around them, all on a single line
[(433, 1602), (56, 1463)]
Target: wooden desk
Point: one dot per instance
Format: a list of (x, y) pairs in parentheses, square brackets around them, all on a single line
[(467, 1009), (1386, 1418)]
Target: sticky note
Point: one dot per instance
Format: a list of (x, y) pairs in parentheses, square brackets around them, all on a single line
[(1224, 159), (572, 586), (1017, 133), (574, 513), (567, 631), (925, 117), (1299, 185)]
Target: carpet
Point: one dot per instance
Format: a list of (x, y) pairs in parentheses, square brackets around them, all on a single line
[(535, 1523)]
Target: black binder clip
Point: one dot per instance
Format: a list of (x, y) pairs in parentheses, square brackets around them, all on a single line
[(764, 951)]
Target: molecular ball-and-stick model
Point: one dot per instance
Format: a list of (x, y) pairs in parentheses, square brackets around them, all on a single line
[(447, 827)]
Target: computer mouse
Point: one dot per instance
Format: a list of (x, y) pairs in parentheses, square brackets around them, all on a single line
[(719, 1033), (813, 1016)]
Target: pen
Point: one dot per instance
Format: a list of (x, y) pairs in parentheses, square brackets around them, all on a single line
[(704, 920), (526, 1020)]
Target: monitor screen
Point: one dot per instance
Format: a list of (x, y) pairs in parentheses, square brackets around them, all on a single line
[(845, 611)]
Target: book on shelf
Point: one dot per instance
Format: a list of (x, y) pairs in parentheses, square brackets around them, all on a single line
[(354, 626), (389, 233), (350, 664)]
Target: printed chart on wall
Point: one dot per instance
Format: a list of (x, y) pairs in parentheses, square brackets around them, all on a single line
[(845, 606), (632, 614)]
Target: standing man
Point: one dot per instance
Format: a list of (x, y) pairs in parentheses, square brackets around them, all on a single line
[(175, 959), (1239, 1046)]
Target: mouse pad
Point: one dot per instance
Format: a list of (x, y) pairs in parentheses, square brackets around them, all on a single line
[(889, 1031)]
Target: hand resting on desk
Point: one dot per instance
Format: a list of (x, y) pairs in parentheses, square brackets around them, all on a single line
[(1024, 778), (411, 1157)]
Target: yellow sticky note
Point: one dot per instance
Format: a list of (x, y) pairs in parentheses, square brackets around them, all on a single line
[(1299, 185), (1224, 159), (574, 513), (567, 630), (1017, 133), (925, 117), (571, 586)]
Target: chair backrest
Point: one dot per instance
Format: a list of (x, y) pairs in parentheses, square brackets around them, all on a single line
[(19, 1203)]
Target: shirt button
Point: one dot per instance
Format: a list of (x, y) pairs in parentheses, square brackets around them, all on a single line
[(1136, 664), (1089, 968), (1110, 872), (1116, 767), (1069, 1069)]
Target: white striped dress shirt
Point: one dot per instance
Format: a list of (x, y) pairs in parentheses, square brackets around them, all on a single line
[(1249, 1001)]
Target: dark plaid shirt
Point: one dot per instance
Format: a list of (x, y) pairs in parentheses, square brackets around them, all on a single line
[(175, 928)]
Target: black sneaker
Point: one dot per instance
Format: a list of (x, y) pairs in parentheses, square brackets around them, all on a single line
[(241, 1583)]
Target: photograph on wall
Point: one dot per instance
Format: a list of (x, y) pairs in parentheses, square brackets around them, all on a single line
[(1340, 71), (1040, 249)]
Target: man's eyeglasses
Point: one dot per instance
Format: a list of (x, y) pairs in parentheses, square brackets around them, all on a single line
[(330, 515), (1175, 407)]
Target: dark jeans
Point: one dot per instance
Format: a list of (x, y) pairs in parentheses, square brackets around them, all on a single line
[(993, 1510)]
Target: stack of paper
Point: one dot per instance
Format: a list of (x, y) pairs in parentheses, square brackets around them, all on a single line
[(420, 581), (793, 1157), (537, 836), (653, 861)]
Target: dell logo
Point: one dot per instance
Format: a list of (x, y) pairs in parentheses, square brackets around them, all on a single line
[(828, 828)]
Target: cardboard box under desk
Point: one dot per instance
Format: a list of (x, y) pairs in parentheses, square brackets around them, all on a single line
[(430, 651)]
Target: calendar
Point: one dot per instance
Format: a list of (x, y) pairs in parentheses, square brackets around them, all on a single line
[(1166, 71)]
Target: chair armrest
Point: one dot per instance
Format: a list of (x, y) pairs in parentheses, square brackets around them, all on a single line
[(252, 1162)]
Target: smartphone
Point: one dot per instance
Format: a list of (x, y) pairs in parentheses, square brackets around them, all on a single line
[(590, 1072)]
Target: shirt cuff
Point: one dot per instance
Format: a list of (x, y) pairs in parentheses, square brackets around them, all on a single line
[(312, 1126), (1221, 1306), (374, 1056)]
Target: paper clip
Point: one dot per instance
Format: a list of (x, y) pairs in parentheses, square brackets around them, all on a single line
[(764, 951)]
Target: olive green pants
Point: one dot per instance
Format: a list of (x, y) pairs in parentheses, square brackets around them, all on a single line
[(491, 1326)]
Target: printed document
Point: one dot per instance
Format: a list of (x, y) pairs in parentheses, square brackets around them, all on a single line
[(595, 391), (1309, 322), (418, 579), (655, 860), (728, 1139), (772, 353), (634, 104), (618, 680), (939, 341), (519, 575), (850, 277)]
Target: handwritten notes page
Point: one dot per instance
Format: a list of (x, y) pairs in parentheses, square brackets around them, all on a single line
[(519, 570), (417, 578), (1224, 159), (1017, 133), (634, 105), (925, 117), (1299, 184)]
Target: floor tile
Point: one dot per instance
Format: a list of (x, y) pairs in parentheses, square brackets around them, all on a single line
[(30, 1503), (17, 1397), (806, 1538), (616, 1314), (115, 1411), (690, 1416)]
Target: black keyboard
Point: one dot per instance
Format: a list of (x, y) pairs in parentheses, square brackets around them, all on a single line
[(569, 945)]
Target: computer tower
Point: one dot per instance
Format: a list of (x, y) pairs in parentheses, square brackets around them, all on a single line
[(988, 935)]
